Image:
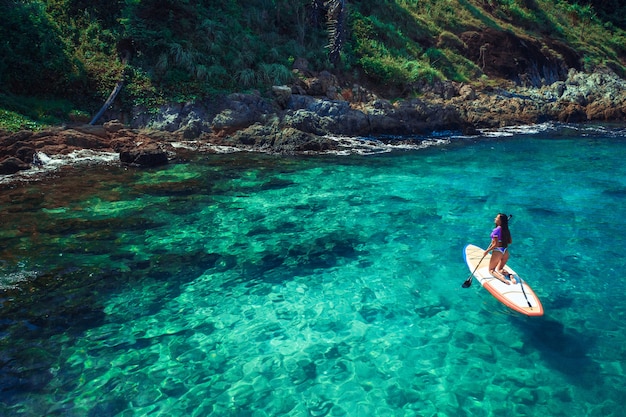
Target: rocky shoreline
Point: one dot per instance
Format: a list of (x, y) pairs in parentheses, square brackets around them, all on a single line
[(304, 117)]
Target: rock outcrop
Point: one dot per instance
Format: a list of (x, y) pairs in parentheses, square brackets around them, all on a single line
[(302, 118), (143, 148)]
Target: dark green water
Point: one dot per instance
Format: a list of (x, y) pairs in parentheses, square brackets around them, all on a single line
[(248, 285)]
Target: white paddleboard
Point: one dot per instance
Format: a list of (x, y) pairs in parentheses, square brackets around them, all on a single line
[(519, 297)]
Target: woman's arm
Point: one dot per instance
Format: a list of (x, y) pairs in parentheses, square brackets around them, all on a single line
[(494, 243)]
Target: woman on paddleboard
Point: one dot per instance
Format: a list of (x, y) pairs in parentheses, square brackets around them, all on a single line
[(500, 240)]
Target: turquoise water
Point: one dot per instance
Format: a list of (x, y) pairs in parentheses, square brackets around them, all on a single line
[(253, 285)]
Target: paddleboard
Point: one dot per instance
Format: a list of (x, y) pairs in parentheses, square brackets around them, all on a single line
[(519, 297)]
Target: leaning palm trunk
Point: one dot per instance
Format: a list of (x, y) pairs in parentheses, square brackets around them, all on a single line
[(105, 106), (114, 93)]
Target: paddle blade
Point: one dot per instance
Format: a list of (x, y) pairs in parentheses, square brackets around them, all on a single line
[(467, 282)]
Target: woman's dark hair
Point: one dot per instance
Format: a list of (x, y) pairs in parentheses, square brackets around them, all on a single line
[(504, 223)]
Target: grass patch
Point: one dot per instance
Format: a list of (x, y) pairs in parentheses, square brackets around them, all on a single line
[(35, 113), (13, 122)]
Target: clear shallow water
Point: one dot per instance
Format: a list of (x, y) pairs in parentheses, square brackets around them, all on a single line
[(256, 285)]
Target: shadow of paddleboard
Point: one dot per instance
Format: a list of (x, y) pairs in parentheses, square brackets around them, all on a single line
[(563, 349)]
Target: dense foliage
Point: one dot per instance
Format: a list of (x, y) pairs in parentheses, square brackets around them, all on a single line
[(168, 50)]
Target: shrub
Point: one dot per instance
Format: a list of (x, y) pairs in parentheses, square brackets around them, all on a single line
[(450, 41)]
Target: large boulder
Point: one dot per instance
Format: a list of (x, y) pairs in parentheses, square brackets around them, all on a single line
[(149, 155), (11, 165), (277, 139)]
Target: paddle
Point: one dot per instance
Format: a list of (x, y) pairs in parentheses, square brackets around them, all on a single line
[(468, 281)]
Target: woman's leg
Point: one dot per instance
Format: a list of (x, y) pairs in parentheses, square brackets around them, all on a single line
[(500, 267), (494, 263)]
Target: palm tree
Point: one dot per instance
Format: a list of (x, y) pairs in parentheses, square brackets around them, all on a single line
[(333, 13), (336, 28)]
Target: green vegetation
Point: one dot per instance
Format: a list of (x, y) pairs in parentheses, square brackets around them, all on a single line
[(13, 121), (180, 50), (27, 112)]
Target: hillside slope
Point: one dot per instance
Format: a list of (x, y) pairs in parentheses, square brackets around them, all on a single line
[(70, 51)]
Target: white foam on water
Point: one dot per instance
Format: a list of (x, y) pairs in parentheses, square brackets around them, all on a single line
[(82, 156), (582, 130), (198, 146), (518, 130), (372, 146), (594, 130), (347, 146), (51, 163)]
